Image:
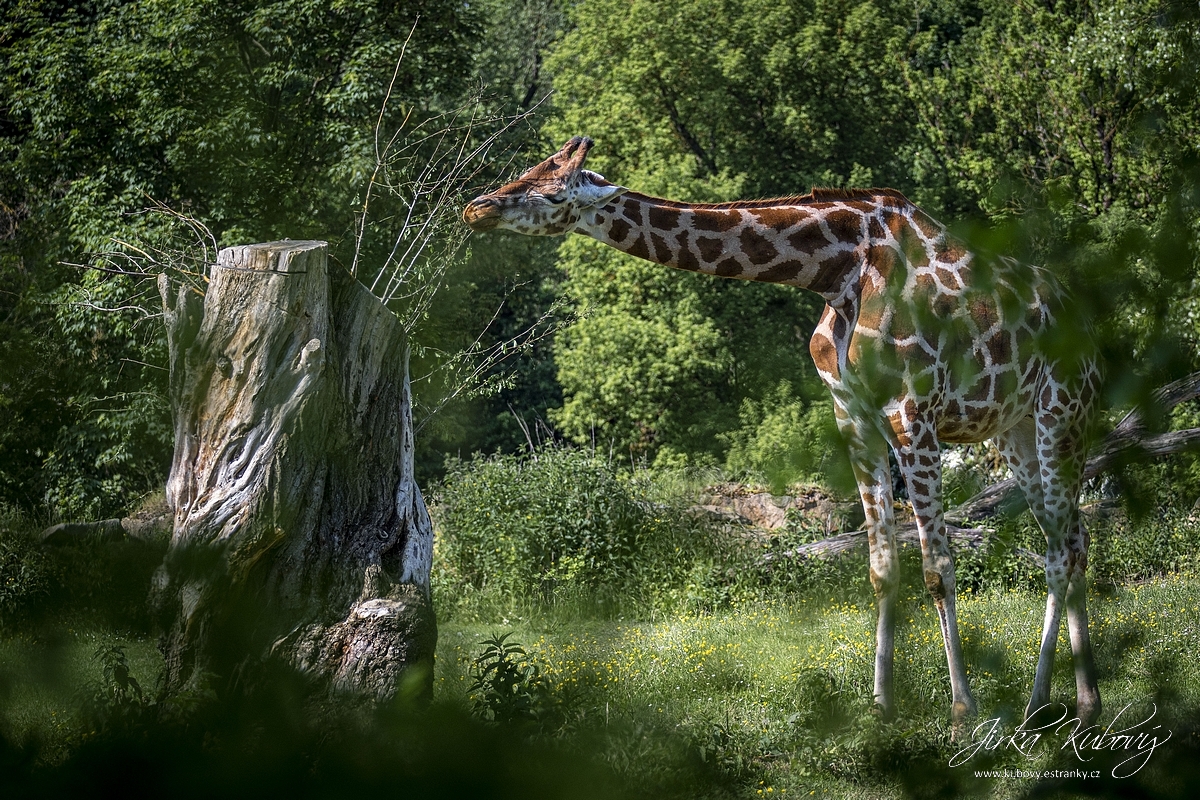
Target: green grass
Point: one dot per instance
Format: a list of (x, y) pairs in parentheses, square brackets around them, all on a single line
[(777, 693), (44, 681), (761, 699), (746, 682)]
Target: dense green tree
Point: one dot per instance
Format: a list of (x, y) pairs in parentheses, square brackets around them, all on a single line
[(1097, 99), (257, 119), (1067, 130)]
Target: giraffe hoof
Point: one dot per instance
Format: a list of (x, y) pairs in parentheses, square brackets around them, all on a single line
[(961, 716), (1087, 710)]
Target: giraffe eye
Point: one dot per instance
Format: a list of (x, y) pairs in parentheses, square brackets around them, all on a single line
[(555, 200)]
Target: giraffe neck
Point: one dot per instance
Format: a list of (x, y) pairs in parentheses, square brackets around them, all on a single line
[(805, 242)]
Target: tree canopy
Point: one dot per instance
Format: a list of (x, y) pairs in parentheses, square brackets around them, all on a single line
[(1062, 132), (1066, 132)]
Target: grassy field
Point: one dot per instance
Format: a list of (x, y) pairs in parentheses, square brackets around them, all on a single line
[(777, 694), (759, 700), (708, 680)]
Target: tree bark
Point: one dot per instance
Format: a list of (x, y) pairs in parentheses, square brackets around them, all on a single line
[(299, 532)]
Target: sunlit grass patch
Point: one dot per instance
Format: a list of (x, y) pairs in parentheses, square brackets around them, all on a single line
[(780, 692)]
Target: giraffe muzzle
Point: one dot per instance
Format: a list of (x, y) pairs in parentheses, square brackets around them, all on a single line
[(481, 214)]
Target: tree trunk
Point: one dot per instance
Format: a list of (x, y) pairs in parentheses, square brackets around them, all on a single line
[(299, 531)]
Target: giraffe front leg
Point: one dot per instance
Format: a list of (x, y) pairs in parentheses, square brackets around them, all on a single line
[(920, 463), (868, 457)]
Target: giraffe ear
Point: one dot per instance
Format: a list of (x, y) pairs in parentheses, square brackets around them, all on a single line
[(594, 190)]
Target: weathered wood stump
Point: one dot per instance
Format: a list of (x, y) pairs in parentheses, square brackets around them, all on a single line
[(299, 532)]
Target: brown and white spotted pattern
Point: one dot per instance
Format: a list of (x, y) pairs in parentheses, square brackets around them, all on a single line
[(921, 342)]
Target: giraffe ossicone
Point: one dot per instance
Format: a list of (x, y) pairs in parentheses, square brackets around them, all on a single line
[(921, 342)]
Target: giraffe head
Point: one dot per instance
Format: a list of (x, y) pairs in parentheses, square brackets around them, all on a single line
[(548, 199)]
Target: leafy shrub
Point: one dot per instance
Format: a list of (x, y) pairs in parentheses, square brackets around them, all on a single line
[(25, 574), (564, 526), (1182, 471), (523, 528), (1125, 549), (788, 441), (118, 703), (999, 561), (970, 468)]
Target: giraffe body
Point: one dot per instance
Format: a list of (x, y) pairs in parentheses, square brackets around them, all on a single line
[(920, 342)]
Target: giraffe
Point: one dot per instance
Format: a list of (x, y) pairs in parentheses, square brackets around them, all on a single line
[(920, 342)]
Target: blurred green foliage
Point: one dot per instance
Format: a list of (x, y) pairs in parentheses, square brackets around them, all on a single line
[(283, 738)]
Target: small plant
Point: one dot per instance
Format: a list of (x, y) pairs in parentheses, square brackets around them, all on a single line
[(118, 703), (507, 685)]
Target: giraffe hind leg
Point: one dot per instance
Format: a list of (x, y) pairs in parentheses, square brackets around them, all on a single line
[(1087, 692), (1046, 461), (920, 463)]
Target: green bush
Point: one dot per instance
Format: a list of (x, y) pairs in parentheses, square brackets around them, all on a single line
[(786, 441), (1136, 549), (84, 583), (25, 574), (522, 528), (507, 686), (999, 561), (1183, 469), (565, 526)]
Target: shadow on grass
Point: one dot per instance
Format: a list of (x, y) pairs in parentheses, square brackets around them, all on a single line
[(287, 738)]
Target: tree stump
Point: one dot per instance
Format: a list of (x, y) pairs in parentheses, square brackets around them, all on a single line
[(299, 532)]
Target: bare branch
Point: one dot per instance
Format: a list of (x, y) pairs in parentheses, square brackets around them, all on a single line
[(907, 534)]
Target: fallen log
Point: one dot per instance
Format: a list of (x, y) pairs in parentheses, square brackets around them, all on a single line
[(839, 544)]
